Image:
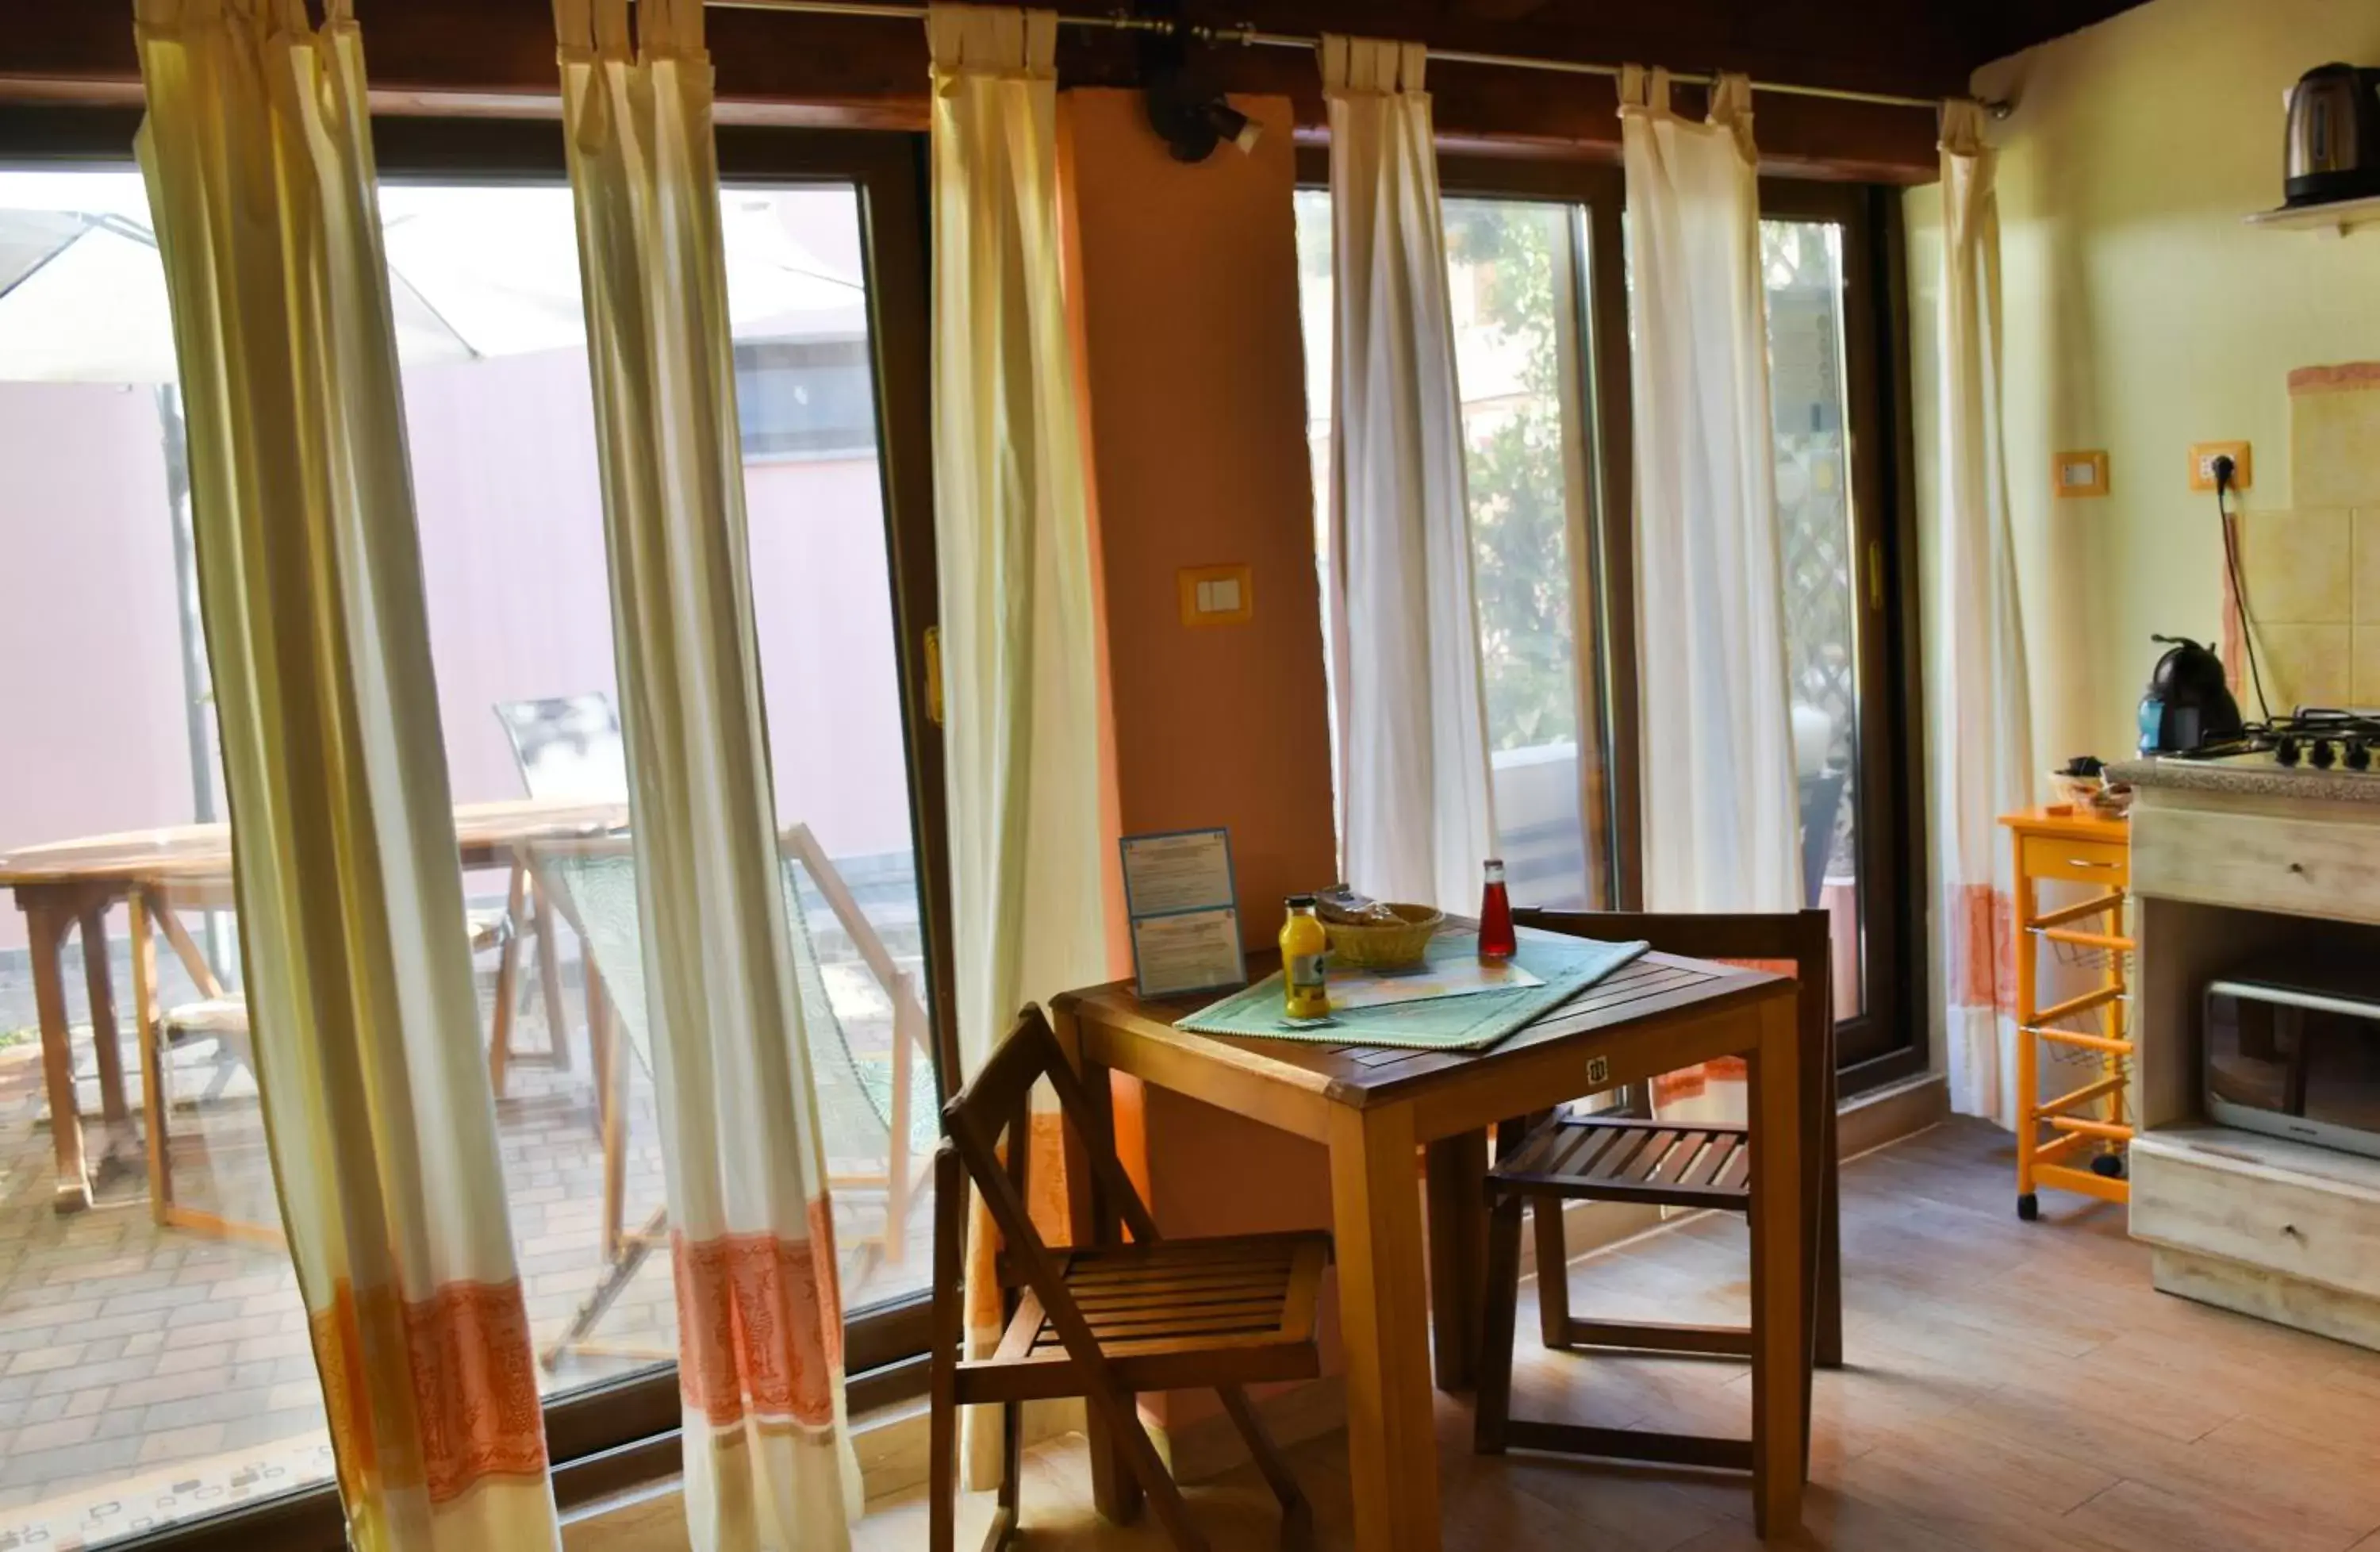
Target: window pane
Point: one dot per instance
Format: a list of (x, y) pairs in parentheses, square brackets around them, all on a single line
[(1804, 265), (153, 1370), (1512, 271), (822, 597), (1515, 269), (149, 1370)]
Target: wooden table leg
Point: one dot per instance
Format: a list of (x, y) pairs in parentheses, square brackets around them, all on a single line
[(548, 977), (177, 936), (45, 928), (149, 1036), (1116, 1492), (508, 952), (1384, 1322), (1780, 1330), (1458, 1255), (98, 980)]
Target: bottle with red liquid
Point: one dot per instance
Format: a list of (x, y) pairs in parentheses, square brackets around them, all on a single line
[(1497, 942)]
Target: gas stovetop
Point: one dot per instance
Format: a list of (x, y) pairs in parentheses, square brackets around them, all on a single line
[(2307, 739)]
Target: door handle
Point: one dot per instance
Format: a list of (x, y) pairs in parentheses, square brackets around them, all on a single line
[(933, 674)]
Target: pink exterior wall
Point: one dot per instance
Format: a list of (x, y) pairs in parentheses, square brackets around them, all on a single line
[(92, 730), (821, 592), (506, 493)]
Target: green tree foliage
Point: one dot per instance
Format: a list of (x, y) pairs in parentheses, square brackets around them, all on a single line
[(1515, 464)]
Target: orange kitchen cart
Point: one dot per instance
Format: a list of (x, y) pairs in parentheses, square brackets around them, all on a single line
[(2088, 1032)]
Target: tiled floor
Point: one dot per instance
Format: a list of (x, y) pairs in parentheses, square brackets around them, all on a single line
[(149, 1372)]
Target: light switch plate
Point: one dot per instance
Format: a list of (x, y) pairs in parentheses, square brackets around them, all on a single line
[(2078, 474), (1220, 595), (2202, 464)]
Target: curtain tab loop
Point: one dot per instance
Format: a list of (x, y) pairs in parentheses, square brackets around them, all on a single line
[(1731, 109), (1371, 66), (1730, 98), (990, 40), (1412, 59), (1330, 50), (1644, 91), (1962, 127), (574, 25)]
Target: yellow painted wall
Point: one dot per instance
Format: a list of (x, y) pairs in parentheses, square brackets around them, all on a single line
[(2141, 315)]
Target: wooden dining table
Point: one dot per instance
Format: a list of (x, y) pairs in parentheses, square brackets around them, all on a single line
[(1372, 1106), (66, 886)]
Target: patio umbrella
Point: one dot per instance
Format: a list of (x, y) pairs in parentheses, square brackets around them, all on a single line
[(473, 273)]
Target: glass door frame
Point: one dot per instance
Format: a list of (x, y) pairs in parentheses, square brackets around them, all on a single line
[(1889, 1040), (622, 1432)]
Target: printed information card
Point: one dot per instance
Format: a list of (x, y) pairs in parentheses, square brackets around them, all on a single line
[(1183, 908)]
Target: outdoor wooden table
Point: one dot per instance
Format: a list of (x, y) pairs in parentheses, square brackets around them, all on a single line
[(1371, 1106), (71, 884)]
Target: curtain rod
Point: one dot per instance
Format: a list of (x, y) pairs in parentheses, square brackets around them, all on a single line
[(1252, 38)]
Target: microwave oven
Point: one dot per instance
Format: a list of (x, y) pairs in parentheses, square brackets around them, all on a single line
[(2296, 1053)]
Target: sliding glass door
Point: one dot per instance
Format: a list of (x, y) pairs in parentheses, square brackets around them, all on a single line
[(1516, 270), (1834, 448), (154, 1357), (1541, 308)]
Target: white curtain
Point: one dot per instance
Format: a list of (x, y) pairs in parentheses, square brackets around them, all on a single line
[(1980, 733), (365, 1024), (1722, 831), (1012, 532), (1019, 642), (1416, 813), (768, 1461)]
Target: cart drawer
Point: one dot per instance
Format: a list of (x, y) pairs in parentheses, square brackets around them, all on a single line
[(2259, 861), (2105, 863), (2244, 1205)]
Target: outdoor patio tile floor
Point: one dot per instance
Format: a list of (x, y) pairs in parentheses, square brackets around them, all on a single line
[(149, 1373)]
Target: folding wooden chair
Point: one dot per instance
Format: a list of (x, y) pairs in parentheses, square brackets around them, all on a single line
[(220, 1016), (1615, 1157), (1102, 1322), (866, 1109)]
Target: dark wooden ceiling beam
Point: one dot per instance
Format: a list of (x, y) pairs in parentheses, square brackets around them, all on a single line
[(497, 55)]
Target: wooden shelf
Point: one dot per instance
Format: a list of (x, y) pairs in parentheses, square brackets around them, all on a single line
[(2341, 217)]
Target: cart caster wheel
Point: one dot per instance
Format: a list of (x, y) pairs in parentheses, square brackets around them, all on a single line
[(2111, 1165), (2028, 1206)]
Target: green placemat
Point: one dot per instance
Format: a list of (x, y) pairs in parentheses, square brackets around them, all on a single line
[(1567, 966)]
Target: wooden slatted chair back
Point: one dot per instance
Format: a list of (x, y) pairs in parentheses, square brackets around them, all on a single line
[(1798, 942), (996, 1107)]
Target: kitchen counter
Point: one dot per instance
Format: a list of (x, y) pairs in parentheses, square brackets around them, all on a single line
[(2250, 776)]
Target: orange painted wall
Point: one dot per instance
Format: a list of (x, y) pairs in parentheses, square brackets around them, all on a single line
[(1186, 297), (1195, 395)]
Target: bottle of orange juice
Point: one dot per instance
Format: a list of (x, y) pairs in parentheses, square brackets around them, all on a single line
[(1304, 947)]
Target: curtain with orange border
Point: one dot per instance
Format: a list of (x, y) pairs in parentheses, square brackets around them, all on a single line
[(767, 1452), (365, 1027), (1978, 692)]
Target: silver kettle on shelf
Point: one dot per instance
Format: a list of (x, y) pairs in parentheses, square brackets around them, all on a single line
[(2333, 149)]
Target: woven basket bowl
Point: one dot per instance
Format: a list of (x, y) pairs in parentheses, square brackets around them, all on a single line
[(1387, 946)]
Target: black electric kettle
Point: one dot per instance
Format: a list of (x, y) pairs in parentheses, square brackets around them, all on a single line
[(2189, 703)]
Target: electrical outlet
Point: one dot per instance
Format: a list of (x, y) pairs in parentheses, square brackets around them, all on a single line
[(2202, 464)]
